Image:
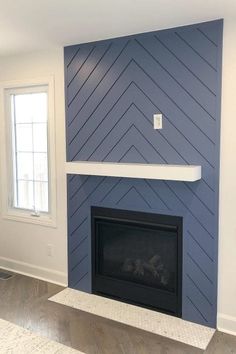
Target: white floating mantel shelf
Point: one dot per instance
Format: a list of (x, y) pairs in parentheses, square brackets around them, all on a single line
[(188, 173)]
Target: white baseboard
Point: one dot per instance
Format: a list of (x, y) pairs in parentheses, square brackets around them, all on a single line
[(34, 271), (226, 323)]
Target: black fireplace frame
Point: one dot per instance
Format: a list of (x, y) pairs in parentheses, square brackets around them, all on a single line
[(160, 300)]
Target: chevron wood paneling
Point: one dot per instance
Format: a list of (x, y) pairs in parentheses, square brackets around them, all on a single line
[(113, 88)]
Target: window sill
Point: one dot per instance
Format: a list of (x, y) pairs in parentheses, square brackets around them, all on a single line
[(43, 220)]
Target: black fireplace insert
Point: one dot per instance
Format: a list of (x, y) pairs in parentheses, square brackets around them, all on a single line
[(137, 258)]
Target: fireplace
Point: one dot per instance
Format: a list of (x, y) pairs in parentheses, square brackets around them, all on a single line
[(137, 258)]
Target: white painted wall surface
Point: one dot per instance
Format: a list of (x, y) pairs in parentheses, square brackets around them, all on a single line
[(24, 246), (227, 206)]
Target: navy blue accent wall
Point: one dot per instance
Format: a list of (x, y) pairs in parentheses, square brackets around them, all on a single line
[(113, 88)]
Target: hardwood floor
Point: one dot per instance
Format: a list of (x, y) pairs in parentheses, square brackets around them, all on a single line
[(23, 301)]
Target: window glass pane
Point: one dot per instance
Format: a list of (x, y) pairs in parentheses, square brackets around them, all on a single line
[(41, 196), (40, 137), (25, 195), (40, 167), (39, 101), (24, 141), (24, 166), (23, 108), (31, 107)]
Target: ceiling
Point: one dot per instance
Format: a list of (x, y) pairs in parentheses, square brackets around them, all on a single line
[(29, 25)]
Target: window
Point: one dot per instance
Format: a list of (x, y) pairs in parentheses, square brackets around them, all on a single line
[(29, 117), (29, 152)]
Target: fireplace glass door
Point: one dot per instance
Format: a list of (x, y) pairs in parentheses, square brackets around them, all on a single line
[(137, 257)]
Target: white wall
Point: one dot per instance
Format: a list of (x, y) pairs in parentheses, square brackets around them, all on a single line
[(23, 246), (227, 223)]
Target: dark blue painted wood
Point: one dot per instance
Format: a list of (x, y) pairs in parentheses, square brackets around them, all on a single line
[(113, 88)]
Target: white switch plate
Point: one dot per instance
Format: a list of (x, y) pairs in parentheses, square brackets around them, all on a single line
[(157, 121)]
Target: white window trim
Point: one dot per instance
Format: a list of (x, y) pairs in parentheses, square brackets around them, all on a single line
[(8, 212)]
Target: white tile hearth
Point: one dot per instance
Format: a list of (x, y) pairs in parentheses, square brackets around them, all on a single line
[(151, 321), (17, 340)]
